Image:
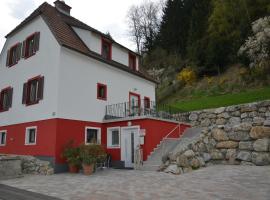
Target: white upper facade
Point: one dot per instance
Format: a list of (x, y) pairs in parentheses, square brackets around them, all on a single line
[(71, 78)]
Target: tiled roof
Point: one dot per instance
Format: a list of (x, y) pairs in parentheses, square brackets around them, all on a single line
[(60, 25)]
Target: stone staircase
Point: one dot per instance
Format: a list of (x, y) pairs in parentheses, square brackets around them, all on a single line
[(168, 145)]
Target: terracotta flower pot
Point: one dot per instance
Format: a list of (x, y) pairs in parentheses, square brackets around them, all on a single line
[(88, 169), (73, 168)]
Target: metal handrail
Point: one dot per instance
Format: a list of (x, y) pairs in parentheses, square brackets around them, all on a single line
[(167, 136)]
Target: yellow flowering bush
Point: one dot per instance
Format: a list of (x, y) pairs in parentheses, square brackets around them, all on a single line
[(187, 75)]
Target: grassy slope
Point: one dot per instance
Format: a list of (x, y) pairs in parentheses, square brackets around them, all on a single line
[(223, 100)]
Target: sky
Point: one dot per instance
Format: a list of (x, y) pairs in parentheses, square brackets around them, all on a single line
[(104, 15)]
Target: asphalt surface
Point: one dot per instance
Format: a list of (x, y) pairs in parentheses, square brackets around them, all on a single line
[(11, 193)]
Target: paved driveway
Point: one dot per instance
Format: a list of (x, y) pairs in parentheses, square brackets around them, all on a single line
[(11, 193), (215, 182)]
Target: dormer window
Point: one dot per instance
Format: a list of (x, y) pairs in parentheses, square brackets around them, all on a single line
[(106, 49), (132, 61), (31, 45), (13, 55)]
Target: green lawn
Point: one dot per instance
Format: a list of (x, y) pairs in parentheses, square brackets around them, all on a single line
[(223, 100)]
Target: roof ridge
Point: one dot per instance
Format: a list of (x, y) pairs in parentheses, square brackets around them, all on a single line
[(35, 13)]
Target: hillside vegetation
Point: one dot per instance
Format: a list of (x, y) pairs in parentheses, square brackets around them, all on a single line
[(205, 102), (234, 86), (205, 53)]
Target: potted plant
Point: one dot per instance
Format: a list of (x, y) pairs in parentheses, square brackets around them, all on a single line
[(90, 154), (88, 163), (72, 156)]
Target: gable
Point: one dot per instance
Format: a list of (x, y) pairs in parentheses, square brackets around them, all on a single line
[(61, 27), (49, 47)]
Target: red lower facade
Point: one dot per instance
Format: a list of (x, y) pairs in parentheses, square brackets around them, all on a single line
[(54, 134)]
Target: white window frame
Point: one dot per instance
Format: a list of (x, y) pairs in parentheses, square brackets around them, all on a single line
[(98, 134), (3, 131), (109, 137), (27, 135)]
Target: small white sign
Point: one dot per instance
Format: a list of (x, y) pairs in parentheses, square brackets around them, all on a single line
[(142, 132)]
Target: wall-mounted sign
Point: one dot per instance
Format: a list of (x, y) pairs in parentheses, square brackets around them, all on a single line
[(142, 132)]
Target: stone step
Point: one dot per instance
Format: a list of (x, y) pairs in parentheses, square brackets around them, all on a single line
[(167, 145), (150, 168), (156, 162)]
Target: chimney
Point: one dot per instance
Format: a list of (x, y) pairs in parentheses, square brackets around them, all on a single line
[(61, 6)]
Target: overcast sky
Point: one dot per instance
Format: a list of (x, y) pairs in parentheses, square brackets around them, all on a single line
[(104, 15)]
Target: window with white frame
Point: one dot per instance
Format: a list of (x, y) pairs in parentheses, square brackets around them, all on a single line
[(92, 135), (113, 137), (3, 138), (31, 135)]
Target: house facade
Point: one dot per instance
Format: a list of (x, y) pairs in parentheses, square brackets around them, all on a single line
[(62, 80)]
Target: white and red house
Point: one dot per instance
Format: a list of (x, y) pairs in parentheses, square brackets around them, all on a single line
[(63, 80)]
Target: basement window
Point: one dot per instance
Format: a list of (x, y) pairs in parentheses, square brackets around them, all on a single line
[(3, 138), (31, 136)]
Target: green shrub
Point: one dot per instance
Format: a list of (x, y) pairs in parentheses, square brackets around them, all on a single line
[(72, 154), (92, 153)]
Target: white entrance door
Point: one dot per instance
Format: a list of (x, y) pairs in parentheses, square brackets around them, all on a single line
[(130, 141)]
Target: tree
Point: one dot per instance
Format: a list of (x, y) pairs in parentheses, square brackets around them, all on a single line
[(143, 23), (134, 21), (203, 33), (229, 25), (257, 47), (197, 32)]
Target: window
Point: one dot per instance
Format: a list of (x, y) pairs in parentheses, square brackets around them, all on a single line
[(13, 55), (106, 49), (146, 102), (132, 61), (3, 138), (33, 90), (102, 91), (92, 135), (6, 99), (113, 137), (31, 45), (31, 136)]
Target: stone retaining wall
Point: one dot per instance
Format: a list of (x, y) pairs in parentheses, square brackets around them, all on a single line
[(23, 165), (232, 135), (10, 167), (227, 117)]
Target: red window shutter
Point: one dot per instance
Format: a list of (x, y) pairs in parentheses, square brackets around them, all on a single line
[(18, 52), (8, 55), (10, 94), (40, 88), (36, 41), (24, 49), (24, 97)]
